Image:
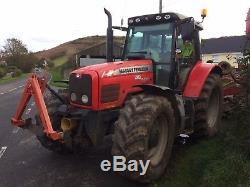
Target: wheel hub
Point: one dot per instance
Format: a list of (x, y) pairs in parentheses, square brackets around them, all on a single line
[(213, 108), (158, 139)]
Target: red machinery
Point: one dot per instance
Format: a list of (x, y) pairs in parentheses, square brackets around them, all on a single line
[(145, 100)]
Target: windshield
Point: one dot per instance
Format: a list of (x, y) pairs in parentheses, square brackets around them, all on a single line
[(150, 42)]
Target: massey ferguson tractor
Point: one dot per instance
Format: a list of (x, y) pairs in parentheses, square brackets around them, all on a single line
[(146, 100)]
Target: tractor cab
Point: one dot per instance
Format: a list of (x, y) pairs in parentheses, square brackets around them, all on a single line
[(170, 40)]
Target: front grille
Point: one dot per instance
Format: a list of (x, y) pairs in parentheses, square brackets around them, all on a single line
[(81, 85)]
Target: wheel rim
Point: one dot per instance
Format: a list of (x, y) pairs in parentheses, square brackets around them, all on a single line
[(158, 139), (213, 108)]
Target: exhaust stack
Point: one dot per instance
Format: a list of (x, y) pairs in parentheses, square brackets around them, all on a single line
[(109, 42)]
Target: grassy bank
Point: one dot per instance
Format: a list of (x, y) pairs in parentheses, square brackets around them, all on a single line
[(10, 79), (221, 161), (56, 76), (60, 61), (56, 71)]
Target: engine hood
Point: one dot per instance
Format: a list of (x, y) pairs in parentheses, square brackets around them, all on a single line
[(117, 68)]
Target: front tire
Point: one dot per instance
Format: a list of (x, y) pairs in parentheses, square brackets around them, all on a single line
[(144, 131)]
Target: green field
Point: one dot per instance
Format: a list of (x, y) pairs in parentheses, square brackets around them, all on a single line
[(222, 161)]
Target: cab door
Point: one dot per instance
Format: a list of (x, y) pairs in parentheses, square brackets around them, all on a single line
[(163, 65)]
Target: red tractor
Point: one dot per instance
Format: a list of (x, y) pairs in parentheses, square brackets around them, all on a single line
[(145, 100)]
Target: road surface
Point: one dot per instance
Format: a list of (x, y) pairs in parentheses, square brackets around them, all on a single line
[(24, 162)]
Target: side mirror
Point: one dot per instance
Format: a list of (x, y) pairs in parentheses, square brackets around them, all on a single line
[(120, 28), (187, 29)]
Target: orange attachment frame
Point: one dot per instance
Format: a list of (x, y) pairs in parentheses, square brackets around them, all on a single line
[(35, 87)]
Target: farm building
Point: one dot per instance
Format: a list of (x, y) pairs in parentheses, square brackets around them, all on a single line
[(228, 49)]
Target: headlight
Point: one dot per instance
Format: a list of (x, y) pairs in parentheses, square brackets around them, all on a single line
[(73, 96), (85, 99)]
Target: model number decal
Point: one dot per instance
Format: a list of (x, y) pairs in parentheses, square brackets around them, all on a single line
[(139, 77)]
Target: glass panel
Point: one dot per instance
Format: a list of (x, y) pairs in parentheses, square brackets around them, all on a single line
[(150, 42), (136, 41)]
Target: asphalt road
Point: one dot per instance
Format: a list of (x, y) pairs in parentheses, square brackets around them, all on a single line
[(24, 162)]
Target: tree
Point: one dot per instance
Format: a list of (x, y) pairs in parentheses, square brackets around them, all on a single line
[(16, 54), (14, 47), (242, 77)]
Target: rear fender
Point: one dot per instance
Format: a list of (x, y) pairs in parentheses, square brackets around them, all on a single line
[(197, 78)]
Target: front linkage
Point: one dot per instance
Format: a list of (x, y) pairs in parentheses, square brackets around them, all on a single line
[(35, 87)]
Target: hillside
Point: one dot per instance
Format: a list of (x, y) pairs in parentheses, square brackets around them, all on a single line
[(72, 47)]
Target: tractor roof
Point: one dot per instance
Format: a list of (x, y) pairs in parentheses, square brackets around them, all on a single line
[(159, 18)]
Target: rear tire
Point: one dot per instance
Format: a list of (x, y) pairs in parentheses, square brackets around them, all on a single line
[(144, 131), (52, 103), (208, 107)]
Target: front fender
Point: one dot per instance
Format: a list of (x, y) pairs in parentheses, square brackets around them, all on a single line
[(158, 90), (197, 78), (155, 88)]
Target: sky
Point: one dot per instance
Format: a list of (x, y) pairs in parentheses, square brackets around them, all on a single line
[(43, 24)]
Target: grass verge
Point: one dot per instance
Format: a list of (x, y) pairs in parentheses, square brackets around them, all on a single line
[(56, 72), (221, 161), (56, 76), (10, 79)]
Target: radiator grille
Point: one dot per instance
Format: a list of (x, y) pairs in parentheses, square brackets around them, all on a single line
[(81, 85)]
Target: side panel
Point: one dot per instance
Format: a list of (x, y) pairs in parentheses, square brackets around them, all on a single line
[(126, 84), (197, 78)]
